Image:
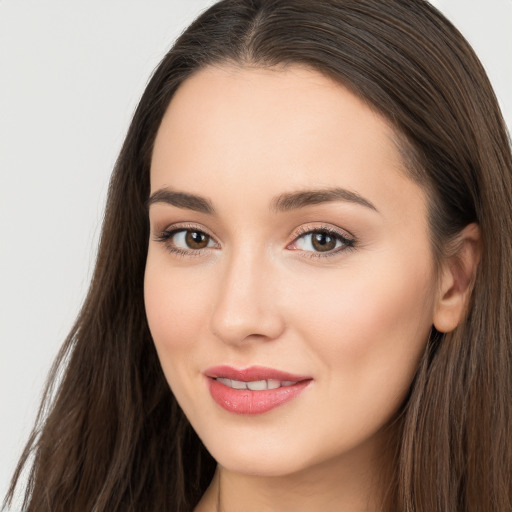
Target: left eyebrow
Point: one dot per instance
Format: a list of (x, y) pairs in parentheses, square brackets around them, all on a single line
[(301, 199)]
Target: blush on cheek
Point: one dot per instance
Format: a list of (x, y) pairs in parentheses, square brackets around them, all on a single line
[(371, 316), (175, 307)]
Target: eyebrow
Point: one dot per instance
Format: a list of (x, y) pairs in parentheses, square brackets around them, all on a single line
[(301, 199), (282, 203), (181, 200)]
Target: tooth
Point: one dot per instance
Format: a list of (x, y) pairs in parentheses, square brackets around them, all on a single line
[(257, 385), (287, 383), (273, 384), (226, 382), (238, 384)]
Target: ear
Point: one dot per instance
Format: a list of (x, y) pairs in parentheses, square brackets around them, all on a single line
[(457, 278)]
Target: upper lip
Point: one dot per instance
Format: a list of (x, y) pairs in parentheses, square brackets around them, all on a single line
[(252, 373)]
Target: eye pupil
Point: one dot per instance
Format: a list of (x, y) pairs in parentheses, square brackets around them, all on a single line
[(323, 242), (196, 239)]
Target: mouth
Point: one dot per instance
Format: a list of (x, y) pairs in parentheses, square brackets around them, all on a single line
[(253, 390)]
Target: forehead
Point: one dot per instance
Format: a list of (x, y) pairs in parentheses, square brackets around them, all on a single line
[(288, 128)]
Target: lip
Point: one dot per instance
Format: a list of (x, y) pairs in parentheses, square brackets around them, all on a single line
[(251, 402)]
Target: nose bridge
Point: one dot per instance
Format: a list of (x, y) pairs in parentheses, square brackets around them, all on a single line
[(245, 304)]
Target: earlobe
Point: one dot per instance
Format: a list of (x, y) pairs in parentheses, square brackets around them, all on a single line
[(457, 278)]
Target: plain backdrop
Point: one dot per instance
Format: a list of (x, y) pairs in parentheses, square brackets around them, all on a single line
[(71, 74)]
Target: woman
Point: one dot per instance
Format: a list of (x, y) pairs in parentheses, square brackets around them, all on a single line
[(304, 265)]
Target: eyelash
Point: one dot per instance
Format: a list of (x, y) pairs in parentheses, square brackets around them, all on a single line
[(348, 242)]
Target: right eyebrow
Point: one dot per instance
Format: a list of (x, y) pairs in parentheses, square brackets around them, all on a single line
[(303, 198), (181, 200)]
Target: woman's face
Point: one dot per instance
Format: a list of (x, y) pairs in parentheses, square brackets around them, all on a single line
[(289, 285)]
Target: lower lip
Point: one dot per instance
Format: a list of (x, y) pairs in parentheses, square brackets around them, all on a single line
[(245, 401)]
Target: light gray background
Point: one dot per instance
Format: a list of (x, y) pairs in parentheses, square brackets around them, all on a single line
[(70, 76)]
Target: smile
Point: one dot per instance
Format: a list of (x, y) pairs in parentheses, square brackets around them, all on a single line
[(255, 385), (254, 390)]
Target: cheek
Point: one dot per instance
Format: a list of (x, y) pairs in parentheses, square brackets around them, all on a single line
[(370, 323), (176, 307)]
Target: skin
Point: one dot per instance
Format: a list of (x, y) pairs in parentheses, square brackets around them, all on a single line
[(356, 319)]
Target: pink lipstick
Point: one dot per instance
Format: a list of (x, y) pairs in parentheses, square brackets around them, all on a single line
[(253, 390)]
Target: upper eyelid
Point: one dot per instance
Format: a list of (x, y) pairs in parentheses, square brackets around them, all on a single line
[(302, 230), (177, 227)]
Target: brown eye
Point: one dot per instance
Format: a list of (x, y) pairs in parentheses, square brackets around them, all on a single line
[(323, 241), (186, 241), (196, 239)]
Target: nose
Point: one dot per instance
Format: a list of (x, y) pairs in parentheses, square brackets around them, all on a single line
[(246, 307)]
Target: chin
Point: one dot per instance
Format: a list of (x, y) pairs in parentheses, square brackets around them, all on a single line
[(249, 453), (260, 463)]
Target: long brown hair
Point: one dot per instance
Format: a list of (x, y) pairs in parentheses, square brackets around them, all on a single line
[(110, 435)]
